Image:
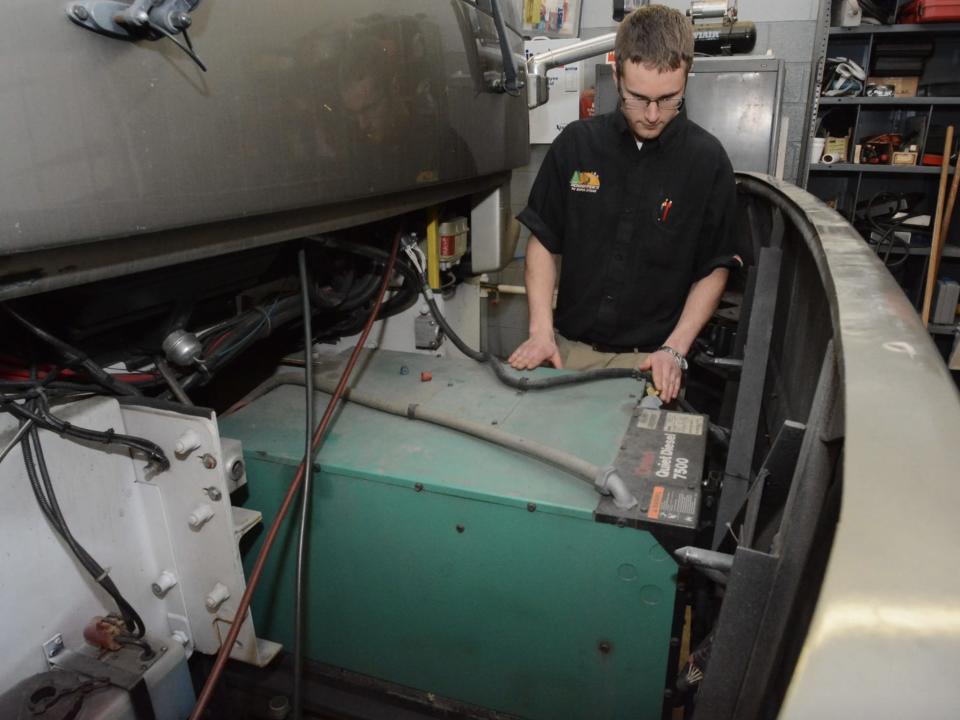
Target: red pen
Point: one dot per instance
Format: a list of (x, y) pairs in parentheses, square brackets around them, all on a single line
[(665, 209)]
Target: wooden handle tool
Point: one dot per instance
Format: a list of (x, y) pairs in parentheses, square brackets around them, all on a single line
[(935, 244)]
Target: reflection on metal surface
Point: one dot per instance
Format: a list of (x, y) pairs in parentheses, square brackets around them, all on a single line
[(322, 103), (919, 619)]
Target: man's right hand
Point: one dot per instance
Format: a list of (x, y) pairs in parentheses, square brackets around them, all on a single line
[(534, 351)]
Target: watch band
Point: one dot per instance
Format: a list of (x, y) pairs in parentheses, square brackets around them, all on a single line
[(680, 359)]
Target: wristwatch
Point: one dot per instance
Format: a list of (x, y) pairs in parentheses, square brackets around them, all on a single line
[(681, 360)]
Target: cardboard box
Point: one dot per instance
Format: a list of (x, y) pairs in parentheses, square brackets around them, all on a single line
[(902, 86)]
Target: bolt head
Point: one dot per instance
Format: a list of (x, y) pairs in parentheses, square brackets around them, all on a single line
[(418, 487), (531, 507), (460, 528), (80, 12), (209, 461), (180, 20)]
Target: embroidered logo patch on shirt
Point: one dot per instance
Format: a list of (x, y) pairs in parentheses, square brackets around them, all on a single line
[(583, 181)]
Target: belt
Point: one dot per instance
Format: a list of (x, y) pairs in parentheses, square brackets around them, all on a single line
[(618, 349)]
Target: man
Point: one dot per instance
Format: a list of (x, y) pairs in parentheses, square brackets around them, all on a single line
[(640, 203)]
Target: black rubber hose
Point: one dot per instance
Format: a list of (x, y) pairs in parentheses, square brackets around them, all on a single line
[(299, 598), (513, 381)]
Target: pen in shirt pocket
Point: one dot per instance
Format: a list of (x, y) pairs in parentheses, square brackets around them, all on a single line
[(665, 209)]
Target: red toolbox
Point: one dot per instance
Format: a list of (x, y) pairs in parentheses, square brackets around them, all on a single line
[(930, 11)]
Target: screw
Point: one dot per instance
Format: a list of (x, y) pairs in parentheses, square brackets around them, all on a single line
[(404, 370), (460, 528), (213, 493), (209, 461), (54, 646), (531, 507), (80, 12), (418, 487), (605, 647)]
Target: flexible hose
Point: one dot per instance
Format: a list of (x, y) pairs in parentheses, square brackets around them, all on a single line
[(604, 479), (318, 435), (518, 382), (305, 493)]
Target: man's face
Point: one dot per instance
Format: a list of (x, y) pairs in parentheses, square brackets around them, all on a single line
[(638, 83), (371, 107)]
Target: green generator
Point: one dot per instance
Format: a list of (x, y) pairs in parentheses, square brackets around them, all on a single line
[(453, 566)]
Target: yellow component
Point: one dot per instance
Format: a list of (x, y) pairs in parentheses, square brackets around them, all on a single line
[(433, 247), (651, 390)]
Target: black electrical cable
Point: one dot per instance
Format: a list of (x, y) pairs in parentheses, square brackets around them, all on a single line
[(43, 491), (75, 355), (888, 232), (304, 492), (509, 67), (46, 420)]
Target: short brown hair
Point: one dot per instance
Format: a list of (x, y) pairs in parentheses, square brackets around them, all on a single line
[(655, 36)]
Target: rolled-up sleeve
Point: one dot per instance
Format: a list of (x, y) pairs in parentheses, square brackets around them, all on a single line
[(545, 213)]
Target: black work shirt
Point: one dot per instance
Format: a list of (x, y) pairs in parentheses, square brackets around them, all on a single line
[(636, 227)]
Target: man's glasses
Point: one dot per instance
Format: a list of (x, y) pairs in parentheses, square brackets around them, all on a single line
[(632, 102)]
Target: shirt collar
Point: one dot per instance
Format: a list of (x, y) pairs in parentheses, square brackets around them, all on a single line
[(669, 134)]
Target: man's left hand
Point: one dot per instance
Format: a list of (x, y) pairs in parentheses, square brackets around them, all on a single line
[(667, 374)]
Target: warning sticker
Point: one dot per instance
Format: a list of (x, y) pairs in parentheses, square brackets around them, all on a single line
[(648, 419), (655, 499), (683, 423)]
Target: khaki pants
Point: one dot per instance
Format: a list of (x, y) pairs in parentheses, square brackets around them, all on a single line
[(580, 356)]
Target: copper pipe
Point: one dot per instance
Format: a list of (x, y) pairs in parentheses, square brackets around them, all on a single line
[(244, 606)]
